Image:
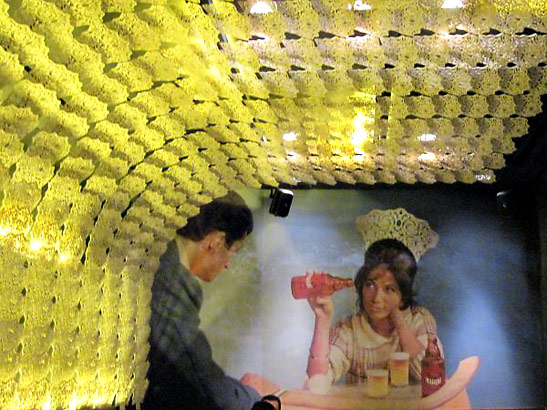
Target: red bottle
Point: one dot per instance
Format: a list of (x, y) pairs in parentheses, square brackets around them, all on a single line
[(317, 284), (433, 375)]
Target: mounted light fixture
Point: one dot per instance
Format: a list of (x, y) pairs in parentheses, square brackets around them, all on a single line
[(360, 5), (261, 7), (281, 202), (427, 137), (452, 4), (290, 136)]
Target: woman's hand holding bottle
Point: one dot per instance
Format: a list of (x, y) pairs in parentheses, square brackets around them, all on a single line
[(322, 307)]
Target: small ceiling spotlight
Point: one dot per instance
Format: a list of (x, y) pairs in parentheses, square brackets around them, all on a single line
[(427, 137), (505, 201), (359, 5), (35, 244), (427, 156), (483, 177), (261, 7), (290, 136), (281, 202), (452, 4)]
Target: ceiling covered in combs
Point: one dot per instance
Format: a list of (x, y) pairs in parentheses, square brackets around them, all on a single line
[(118, 118)]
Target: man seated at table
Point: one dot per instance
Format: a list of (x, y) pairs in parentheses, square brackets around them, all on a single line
[(182, 371)]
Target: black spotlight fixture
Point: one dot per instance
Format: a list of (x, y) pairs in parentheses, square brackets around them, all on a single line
[(281, 201), (505, 202)]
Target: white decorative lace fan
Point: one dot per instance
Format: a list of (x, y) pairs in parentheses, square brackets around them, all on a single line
[(399, 224)]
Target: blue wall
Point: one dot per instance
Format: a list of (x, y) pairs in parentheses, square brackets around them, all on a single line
[(481, 283)]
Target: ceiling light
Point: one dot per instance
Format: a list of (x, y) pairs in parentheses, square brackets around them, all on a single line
[(483, 177), (261, 7), (215, 71), (290, 136), (361, 133), (35, 244), (73, 403), (452, 4), (427, 137), (359, 5), (428, 156), (47, 404), (359, 136)]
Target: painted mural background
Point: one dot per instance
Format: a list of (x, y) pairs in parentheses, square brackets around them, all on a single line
[(481, 283)]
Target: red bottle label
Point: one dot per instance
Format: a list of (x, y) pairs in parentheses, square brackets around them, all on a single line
[(433, 375)]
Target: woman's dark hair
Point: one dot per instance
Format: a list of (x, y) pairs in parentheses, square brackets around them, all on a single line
[(393, 255), (264, 403), (229, 214)]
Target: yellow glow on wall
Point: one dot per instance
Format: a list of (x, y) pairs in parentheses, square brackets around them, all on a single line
[(118, 119), (36, 244), (362, 129)]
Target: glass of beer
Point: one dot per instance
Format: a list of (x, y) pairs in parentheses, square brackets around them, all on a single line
[(377, 382), (398, 368)]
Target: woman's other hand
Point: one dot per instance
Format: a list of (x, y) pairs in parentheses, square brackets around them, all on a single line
[(396, 317)]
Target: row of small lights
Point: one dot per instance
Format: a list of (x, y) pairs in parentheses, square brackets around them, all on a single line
[(265, 7), (425, 157), (359, 137), (293, 136)]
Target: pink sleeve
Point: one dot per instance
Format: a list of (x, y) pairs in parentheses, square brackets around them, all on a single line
[(340, 348)]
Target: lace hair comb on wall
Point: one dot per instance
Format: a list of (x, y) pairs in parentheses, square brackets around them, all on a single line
[(399, 224)]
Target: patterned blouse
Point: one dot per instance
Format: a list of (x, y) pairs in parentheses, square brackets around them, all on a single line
[(356, 347)]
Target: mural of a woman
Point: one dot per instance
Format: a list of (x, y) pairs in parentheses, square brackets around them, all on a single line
[(388, 319)]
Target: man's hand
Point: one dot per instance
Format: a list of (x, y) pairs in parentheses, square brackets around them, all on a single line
[(262, 385)]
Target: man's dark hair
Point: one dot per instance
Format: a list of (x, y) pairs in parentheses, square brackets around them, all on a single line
[(229, 214), (264, 403)]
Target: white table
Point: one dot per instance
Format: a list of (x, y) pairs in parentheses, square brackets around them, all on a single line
[(451, 396)]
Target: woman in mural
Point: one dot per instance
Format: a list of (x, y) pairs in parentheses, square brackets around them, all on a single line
[(388, 319)]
